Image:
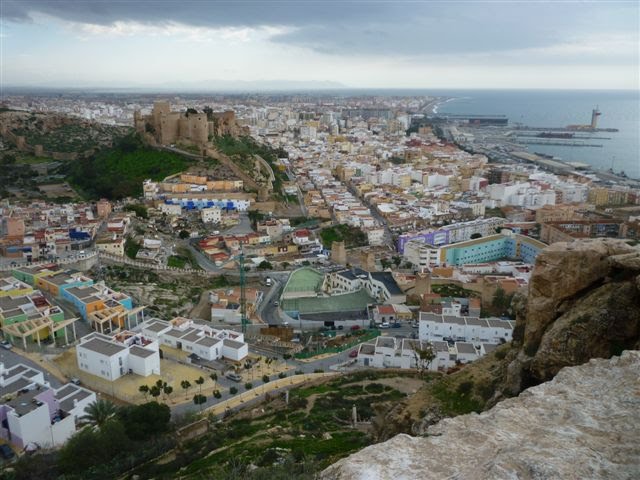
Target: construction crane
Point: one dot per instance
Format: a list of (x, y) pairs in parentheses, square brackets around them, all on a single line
[(243, 293)]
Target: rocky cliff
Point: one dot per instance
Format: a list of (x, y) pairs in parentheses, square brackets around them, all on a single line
[(583, 303), (582, 424)]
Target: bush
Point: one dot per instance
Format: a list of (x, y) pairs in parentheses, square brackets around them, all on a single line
[(282, 375), (318, 370), (145, 421), (248, 386), (217, 394), (500, 354), (233, 390), (265, 379), (465, 387), (299, 372)]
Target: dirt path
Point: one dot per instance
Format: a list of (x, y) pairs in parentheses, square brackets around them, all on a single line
[(202, 309)]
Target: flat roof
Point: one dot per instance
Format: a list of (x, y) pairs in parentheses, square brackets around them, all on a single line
[(138, 351), (157, 326), (232, 343), (208, 341), (102, 347), (68, 403), (464, 347)]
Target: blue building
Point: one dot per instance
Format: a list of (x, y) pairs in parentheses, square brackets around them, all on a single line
[(491, 249)]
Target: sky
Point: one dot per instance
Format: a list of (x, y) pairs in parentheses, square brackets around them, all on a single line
[(288, 43)]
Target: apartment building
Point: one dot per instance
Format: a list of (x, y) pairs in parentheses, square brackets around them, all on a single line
[(113, 356), (435, 327)]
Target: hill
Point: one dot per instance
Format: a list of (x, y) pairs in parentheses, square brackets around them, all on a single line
[(118, 172)]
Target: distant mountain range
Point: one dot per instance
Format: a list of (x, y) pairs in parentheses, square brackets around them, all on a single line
[(216, 85)]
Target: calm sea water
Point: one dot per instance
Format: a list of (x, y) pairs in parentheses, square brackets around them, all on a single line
[(541, 108)]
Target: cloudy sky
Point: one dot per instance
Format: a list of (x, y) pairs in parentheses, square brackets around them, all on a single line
[(378, 44)]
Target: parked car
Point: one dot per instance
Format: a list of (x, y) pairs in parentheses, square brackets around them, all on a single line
[(385, 325), (415, 325), (234, 377), (340, 327), (276, 303), (355, 327), (75, 380), (396, 325), (6, 452), (6, 344), (353, 353)]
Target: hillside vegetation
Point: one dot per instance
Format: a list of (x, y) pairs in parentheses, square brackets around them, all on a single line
[(119, 172)]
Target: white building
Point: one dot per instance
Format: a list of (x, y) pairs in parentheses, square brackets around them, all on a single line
[(389, 352), (32, 412), (211, 215), (111, 357), (171, 209), (375, 236), (202, 340), (434, 327)]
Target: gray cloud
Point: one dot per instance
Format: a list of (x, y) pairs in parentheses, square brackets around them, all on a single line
[(406, 29)]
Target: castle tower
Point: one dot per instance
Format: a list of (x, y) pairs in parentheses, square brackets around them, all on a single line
[(368, 261), (338, 253), (263, 194), (423, 283)]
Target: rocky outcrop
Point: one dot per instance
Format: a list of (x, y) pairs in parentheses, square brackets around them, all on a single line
[(583, 303), (582, 424)]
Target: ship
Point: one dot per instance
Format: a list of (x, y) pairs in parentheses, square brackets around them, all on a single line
[(555, 135)]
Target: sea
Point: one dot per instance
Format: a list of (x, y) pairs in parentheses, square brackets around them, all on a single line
[(559, 108)]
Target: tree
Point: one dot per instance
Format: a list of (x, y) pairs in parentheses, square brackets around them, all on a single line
[(186, 385), (424, 356), (265, 379), (144, 389), (264, 265), (248, 386), (184, 234), (155, 392), (233, 390), (98, 412), (167, 390), (145, 421), (199, 382), (385, 263), (214, 377), (396, 260), (199, 399)]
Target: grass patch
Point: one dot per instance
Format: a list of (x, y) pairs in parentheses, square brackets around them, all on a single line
[(176, 261), (352, 236), (119, 172), (458, 402)]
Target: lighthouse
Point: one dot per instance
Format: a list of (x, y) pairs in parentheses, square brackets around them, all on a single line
[(595, 113)]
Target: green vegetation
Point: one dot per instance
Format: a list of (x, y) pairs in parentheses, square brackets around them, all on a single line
[(119, 172), (493, 212), (72, 137), (140, 210), (176, 261), (458, 401), (242, 149), (352, 236), (452, 290), (127, 437), (297, 440), (131, 248)]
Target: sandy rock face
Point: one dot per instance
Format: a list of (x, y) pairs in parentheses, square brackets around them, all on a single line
[(583, 302), (582, 424)]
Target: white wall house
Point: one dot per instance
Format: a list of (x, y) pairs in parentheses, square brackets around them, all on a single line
[(112, 357), (32, 412), (202, 340), (389, 352), (434, 327)]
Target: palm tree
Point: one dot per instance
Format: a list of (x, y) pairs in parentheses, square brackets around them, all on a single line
[(144, 389), (186, 385), (98, 412), (214, 377), (199, 381)]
